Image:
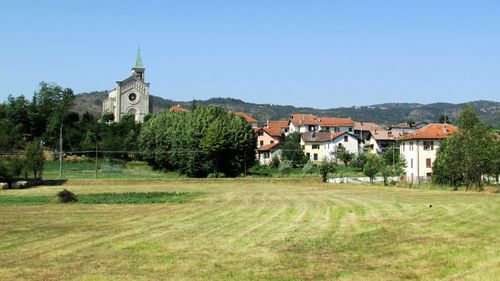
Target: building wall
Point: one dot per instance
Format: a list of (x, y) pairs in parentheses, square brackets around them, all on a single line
[(352, 145), (264, 158), (307, 147), (334, 129), (418, 156), (265, 138), (139, 107)]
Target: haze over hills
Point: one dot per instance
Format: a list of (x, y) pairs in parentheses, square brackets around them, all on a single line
[(387, 113)]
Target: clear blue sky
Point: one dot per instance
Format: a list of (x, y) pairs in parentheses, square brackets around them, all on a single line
[(305, 53)]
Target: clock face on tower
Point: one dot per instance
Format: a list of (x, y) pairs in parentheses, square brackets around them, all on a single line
[(133, 98)]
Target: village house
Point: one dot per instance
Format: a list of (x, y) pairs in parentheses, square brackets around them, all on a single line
[(363, 129), (267, 152), (379, 141), (320, 145), (303, 123), (267, 136), (336, 124), (178, 108), (419, 150), (282, 125), (400, 129)]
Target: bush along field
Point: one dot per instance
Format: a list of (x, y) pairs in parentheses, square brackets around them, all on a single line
[(237, 229)]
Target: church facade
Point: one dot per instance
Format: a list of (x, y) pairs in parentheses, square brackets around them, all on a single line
[(131, 96)]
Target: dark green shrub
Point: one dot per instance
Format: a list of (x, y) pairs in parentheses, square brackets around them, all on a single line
[(66, 196)]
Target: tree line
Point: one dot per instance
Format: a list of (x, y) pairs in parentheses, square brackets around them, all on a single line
[(205, 141)]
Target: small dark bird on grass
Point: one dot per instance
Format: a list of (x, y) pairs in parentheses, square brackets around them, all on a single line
[(430, 206)]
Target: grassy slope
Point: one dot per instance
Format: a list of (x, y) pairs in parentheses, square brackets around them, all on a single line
[(248, 229)]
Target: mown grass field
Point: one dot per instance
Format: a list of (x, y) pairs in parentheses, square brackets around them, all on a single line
[(253, 229)]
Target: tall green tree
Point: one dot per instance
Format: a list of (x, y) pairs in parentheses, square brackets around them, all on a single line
[(10, 169), (34, 158), (326, 167), (292, 151), (373, 166), (342, 154), (465, 157), (207, 140)]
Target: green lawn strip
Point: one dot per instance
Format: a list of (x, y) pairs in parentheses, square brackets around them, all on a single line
[(106, 198)]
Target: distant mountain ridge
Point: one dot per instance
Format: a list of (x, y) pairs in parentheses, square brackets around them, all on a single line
[(386, 113)]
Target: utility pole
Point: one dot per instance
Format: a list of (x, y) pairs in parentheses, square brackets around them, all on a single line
[(96, 159), (393, 152), (60, 146)]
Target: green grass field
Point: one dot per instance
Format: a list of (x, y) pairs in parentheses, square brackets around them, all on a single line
[(140, 171), (251, 229)]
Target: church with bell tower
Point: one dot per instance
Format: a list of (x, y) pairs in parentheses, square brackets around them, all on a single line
[(131, 96)]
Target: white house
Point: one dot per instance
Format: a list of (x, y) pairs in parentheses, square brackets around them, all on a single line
[(419, 150), (266, 153), (320, 145), (379, 141), (336, 124), (303, 123)]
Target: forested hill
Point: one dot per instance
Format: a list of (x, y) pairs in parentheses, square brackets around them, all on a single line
[(388, 113)]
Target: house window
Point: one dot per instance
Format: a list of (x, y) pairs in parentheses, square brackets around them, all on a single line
[(308, 155), (260, 133), (346, 138), (303, 147), (315, 156), (315, 146), (271, 141), (327, 128), (428, 163), (428, 145), (350, 129), (261, 142), (411, 163), (312, 129), (266, 155), (429, 175), (403, 146), (411, 146)]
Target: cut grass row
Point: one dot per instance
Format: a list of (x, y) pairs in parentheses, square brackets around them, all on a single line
[(247, 230)]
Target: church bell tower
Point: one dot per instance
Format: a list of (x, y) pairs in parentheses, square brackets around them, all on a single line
[(131, 96), (138, 69)]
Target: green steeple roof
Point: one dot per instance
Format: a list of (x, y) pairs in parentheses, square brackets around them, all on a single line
[(138, 59)]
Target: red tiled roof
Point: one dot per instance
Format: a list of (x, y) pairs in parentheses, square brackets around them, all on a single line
[(382, 135), (246, 116), (431, 131), (178, 108), (268, 147), (277, 124), (298, 119), (273, 131), (335, 122), (365, 126)]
